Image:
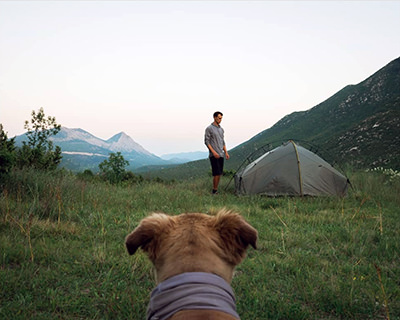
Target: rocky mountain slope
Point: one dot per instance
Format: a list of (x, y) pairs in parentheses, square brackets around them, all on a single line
[(359, 125), (82, 150)]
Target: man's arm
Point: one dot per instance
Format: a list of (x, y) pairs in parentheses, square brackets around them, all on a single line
[(214, 153), (226, 153)]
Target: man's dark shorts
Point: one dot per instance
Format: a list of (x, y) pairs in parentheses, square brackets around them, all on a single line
[(217, 166)]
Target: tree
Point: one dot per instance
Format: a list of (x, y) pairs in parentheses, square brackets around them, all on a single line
[(7, 152), (113, 169), (38, 152)]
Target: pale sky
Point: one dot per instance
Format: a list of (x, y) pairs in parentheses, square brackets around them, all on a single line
[(158, 70)]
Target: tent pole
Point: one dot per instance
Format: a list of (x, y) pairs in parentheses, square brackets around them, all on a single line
[(298, 166)]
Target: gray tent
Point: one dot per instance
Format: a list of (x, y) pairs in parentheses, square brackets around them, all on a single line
[(290, 170)]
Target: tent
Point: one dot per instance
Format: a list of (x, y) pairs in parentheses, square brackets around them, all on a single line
[(290, 170)]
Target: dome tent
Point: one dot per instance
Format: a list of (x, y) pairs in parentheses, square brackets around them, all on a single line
[(290, 170)]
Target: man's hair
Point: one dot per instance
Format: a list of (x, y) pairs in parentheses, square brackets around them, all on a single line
[(217, 113)]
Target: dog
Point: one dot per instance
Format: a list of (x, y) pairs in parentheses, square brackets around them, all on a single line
[(194, 256)]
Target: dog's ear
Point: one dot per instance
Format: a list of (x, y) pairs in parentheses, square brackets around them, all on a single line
[(147, 234), (236, 235)]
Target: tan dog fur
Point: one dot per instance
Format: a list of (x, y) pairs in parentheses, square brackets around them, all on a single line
[(194, 242)]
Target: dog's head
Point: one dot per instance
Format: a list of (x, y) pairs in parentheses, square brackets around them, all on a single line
[(193, 242)]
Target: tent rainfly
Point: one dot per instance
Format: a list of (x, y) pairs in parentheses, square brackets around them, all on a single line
[(290, 170)]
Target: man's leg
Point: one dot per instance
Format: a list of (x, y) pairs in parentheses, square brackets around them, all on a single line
[(216, 182), (217, 166)]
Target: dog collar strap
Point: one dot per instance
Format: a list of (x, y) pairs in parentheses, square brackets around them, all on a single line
[(191, 291)]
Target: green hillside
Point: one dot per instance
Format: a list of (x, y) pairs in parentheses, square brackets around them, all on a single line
[(359, 125), (353, 124)]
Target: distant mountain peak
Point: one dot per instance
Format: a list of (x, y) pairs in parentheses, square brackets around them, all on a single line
[(68, 134), (121, 142), (118, 136), (81, 150)]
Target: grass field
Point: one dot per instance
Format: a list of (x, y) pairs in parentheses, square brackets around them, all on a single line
[(62, 253)]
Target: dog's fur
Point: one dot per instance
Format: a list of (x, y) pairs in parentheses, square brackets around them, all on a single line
[(194, 242)]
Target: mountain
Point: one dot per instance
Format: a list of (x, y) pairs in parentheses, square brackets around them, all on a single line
[(123, 143), (359, 125), (82, 150)]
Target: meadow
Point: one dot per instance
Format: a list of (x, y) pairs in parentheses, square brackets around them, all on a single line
[(62, 252)]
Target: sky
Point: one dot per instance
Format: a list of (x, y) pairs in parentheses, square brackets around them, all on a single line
[(158, 70)]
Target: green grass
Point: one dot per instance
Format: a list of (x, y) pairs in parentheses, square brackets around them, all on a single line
[(62, 253)]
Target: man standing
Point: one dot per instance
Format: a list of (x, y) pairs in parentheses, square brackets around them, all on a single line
[(214, 140)]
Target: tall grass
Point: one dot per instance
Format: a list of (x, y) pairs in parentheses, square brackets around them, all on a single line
[(62, 251)]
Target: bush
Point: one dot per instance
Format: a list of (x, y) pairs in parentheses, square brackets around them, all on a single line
[(7, 153), (113, 169), (38, 152)]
